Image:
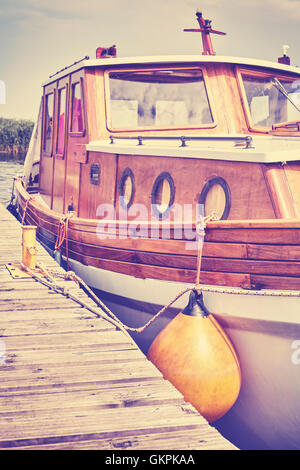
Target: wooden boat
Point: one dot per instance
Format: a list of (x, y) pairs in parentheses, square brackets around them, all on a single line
[(124, 155)]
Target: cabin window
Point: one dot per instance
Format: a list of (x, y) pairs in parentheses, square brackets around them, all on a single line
[(158, 99), (62, 102), (215, 198), (126, 189), (270, 99), (77, 121), (162, 197), (49, 103)]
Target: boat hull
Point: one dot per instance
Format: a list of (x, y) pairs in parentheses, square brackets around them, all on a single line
[(263, 326), (267, 412)]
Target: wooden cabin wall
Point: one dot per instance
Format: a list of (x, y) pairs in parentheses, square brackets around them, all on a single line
[(249, 195), (292, 173), (92, 195), (282, 190), (250, 198), (46, 179)]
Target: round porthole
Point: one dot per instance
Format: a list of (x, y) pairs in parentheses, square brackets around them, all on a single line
[(215, 197), (126, 188), (162, 196)]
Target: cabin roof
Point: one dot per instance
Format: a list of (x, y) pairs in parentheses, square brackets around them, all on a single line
[(263, 149), (174, 59)]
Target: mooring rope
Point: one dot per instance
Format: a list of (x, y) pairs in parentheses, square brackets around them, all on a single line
[(108, 314), (62, 235), (25, 209)]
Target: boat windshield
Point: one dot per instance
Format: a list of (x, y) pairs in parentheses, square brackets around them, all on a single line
[(272, 100), (158, 99)]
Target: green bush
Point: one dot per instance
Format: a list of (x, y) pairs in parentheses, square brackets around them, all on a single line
[(15, 135)]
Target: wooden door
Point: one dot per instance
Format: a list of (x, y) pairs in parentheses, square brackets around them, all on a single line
[(77, 139), (60, 144), (47, 144)]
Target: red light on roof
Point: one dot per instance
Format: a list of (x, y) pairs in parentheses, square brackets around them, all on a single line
[(106, 52)]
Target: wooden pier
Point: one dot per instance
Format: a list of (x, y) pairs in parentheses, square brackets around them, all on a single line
[(71, 380)]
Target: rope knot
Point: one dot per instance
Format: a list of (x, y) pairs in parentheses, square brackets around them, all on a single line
[(62, 234)]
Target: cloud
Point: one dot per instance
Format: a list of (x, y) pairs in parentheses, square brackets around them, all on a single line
[(284, 9), (42, 36)]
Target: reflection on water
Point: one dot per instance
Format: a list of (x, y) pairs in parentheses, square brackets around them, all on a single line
[(9, 167)]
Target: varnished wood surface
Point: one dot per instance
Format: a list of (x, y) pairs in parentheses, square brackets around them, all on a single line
[(70, 380), (260, 254)]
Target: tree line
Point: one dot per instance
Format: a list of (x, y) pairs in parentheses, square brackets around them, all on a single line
[(15, 135)]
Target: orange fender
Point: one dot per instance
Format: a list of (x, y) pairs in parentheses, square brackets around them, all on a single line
[(194, 353)]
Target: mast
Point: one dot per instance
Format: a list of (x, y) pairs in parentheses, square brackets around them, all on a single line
[(205, 30)]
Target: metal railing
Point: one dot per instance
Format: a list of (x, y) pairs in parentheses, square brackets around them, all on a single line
[(247, 139)]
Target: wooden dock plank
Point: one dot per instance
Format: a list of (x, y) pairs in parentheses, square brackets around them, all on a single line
[(169, 439), (70, 380)]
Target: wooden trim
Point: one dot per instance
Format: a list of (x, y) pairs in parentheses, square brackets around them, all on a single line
[(164, 273), (50, 89), (255, 266), (273, 252), (187, 261), (178, 247), (257, 225), (274, 282), (280, 194), (91, 105), (165, 67), (210, 249), (257, 281)]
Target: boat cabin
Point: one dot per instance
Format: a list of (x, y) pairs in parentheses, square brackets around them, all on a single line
[(160, 131)]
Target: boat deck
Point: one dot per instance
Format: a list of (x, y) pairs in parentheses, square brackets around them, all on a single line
[(71, 380)]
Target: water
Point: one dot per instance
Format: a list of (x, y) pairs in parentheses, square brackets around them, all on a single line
[(9, 167)]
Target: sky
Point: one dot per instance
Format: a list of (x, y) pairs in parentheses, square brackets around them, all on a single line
[(39, 37)]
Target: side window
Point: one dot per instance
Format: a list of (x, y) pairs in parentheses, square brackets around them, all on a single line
[(49, 103), (77, 118), (61, 121), (270, 98)]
